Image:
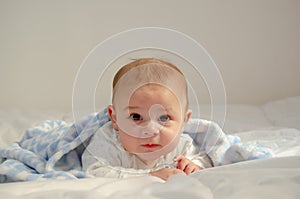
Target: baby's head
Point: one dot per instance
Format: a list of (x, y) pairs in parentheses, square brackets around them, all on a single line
[(149, 107), (151, 71)]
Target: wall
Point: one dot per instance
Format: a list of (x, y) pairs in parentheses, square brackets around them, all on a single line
[(43, 43)]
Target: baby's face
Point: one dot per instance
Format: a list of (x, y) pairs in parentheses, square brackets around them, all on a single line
[(151, 121)]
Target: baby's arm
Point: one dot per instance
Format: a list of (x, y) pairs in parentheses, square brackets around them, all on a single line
[(165, 173), (99, 169), (184, 165)]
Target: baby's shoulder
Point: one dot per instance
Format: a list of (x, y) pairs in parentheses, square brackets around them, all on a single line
[(105, 133), (185, 139)]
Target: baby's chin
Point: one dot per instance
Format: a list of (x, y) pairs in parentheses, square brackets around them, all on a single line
[(156, 154)]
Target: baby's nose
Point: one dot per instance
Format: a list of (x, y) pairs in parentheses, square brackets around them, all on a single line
[(150, 130)]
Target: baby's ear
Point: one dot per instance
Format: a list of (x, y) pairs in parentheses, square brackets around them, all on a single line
[(112, 116), (188, 115)]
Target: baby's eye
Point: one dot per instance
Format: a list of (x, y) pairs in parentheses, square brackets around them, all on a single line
[(164, 118), (136, 117)]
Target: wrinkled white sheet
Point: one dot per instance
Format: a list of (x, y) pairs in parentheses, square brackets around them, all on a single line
[(274, 178), (259, 179), (283, 141)]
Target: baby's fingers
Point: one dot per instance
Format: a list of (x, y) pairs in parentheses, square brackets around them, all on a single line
[(182, 164), (178, 158), (191, 168), (185, 164)]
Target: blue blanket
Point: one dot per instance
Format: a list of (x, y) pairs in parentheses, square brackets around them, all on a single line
[(53, 148)]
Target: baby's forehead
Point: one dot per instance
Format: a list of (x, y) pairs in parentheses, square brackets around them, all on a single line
[(147, 71), (153, 88), (150, 77), (140, 62), (155, 93)]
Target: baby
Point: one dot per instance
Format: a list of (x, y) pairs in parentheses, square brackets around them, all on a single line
[(144, 137)]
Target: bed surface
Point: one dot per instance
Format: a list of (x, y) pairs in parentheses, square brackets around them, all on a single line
[(274, 178)]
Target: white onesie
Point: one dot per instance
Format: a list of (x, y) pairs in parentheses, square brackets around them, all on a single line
[(105, 156)]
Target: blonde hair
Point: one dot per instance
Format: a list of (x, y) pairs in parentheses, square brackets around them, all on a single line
[(140, 62), (155, 70)]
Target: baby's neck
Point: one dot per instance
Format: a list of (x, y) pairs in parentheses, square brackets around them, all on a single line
[(148, 163)]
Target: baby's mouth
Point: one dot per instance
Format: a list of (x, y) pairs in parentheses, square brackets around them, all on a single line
[(150, 146)]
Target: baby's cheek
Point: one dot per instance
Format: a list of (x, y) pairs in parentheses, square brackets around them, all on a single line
[(129, 143), (168, 135)]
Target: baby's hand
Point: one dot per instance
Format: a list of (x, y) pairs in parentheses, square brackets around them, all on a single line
[(186, 165), (165, 173)]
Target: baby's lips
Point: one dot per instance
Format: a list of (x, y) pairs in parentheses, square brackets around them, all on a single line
[(150, 145)]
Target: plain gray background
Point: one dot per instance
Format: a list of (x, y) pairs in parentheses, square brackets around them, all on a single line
[(254, 43)]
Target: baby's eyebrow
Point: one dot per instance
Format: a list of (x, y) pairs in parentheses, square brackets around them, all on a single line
[(167, 109), (131, 107)]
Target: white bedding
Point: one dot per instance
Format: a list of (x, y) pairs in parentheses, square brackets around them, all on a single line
[(275, 124), (272, 178)]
